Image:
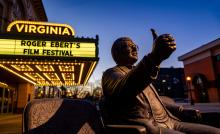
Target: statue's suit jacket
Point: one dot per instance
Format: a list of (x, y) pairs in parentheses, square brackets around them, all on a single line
[(129, 95)]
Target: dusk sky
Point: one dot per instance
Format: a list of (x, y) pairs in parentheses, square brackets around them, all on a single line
[(191, 22)]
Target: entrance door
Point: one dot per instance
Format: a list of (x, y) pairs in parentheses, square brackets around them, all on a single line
[(7, 99), (200, 84)]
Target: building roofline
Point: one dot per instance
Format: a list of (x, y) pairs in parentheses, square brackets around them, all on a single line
[(200, 49)]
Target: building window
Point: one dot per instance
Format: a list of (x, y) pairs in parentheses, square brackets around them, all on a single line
[(218, 57), (1, 16)]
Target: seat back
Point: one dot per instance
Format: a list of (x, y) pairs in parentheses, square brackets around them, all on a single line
[(61, 116)]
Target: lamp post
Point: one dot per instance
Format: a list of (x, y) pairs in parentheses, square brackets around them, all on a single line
[(188, 81)]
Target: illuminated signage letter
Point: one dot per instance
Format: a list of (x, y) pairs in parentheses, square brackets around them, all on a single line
[(41, 29), (19, 28), (32, 29), (53, 30), (66, 31)]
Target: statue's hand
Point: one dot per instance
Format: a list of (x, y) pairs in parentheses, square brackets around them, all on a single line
[(191, 115), (163, 46)]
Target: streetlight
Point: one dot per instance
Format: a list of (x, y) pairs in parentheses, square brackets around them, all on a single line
[(188, 81)]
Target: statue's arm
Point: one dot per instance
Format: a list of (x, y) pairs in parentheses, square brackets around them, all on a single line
[(116, 83), (119, 84), (170, 104), (184, 114)]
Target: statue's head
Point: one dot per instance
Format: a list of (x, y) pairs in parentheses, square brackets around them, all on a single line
[(124, 51)]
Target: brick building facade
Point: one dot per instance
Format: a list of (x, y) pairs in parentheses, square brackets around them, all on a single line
[(203, 66), (11, 10)]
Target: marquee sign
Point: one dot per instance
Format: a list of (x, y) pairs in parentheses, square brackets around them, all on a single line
[(34, 27), (48, 54), (47, 48)]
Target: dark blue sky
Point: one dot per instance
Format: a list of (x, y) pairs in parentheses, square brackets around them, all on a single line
[(192, 22)]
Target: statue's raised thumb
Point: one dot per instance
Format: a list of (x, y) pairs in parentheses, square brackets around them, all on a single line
[(154, 34)]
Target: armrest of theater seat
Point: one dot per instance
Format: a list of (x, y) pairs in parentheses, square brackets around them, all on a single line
[(125, 129), (190, 115), (181, 112)]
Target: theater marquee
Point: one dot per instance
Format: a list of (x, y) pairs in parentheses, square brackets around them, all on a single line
[(47, 54)]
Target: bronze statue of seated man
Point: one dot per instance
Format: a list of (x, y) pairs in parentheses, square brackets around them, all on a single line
[(129, 96)]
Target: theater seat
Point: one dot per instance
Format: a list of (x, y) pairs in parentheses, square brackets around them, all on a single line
[(69, 116)]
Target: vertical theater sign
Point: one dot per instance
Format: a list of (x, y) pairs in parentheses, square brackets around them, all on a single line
[(47, 54)]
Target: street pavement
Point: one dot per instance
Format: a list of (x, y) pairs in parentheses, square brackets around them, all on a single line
[(10, 123)]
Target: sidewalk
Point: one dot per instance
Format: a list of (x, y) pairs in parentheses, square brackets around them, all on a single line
[(204, 107), (10, 123)]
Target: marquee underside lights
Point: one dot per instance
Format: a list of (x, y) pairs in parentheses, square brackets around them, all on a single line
[(47, 54), (2, 84), (49, 73)]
